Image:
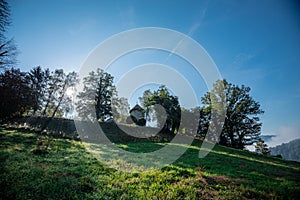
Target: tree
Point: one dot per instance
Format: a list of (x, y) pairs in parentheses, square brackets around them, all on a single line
[(149, 110), (261, 147), (189, 120), (56, 97), (53, 81), (38, 83), (60, 97), (242, 125), (120, 109), (8, 50), (204, 119), (15, 94), (37, 90), (171, 105), (95, 101)]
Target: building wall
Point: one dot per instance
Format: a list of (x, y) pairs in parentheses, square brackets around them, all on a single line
[(137, 114)]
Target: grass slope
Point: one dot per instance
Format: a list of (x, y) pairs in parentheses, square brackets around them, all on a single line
[(39, 167)]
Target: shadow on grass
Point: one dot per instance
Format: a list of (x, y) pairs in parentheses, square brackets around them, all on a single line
[(67, 171), (253, 170)]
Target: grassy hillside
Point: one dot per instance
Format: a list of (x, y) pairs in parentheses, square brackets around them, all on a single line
[(39, 167)]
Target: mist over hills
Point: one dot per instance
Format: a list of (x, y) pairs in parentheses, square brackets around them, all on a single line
[(267, 138), (288, 151)]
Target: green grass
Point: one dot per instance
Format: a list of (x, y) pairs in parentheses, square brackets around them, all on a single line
[(40, 167)]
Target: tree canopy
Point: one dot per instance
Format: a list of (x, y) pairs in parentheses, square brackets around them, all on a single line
[(242, 124), (15, 94), (38, 92), (262, 147), (95, 101), (170, 104), (43, 92)]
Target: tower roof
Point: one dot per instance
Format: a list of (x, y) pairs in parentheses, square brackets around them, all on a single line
[(136, 107)]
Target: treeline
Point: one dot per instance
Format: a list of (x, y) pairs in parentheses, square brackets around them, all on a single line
[(46, 93), (42, 92), (39, 92), (240, 127)]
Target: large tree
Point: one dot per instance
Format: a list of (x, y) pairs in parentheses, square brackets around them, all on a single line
[(56, 83), (53, 82), (38, 83), (15, 94), (170, 119), (56, 98), (242, 124), (61, 100), (144, 100), (95, 101)]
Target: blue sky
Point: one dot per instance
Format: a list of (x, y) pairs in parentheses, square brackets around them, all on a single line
[(255, 43)]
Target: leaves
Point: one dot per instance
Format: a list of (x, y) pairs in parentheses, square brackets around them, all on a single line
[(95, 101), (261, 147), (242, 126), (39, 92), (15, 93), (170, 104)]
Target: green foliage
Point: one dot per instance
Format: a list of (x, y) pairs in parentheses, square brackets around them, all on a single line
[(39, 92), (67, 171), (170, 104), (242, 125), (15, 94), (55, 98), (95, 101), (261, 147), (38, 79)]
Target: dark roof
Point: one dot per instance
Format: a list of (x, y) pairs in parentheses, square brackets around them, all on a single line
[(136, 107)]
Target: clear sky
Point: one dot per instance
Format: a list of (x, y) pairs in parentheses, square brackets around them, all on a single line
[(255, 43)]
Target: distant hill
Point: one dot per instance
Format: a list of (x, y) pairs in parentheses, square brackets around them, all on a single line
[(289, 151)]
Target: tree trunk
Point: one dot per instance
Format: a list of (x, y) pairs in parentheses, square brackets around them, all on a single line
[(55, 110)]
